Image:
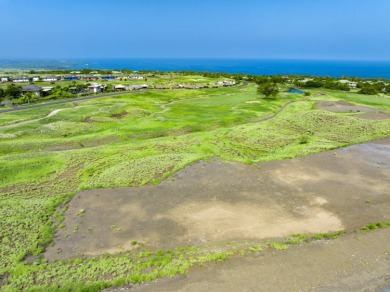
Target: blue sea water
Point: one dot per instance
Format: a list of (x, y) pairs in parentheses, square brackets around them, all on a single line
[(364, 69)]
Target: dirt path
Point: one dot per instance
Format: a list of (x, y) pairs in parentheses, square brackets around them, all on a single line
[(275, 114), (216, 202), (53, 113), (358, 262)]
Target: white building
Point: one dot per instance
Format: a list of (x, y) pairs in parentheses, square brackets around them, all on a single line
[(95, 88), (120, 87), (351, 84), (225, 83), (136, 77), (138, 87), (50, 79), (20, 79)]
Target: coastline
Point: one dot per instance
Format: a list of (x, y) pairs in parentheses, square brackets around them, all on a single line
[(331, 68)]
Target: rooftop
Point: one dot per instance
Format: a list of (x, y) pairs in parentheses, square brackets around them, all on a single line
[(31, 88)]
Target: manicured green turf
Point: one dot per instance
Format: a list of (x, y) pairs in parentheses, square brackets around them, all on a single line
[(136, 139)]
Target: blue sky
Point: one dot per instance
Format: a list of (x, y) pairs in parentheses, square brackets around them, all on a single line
[(292, 29)]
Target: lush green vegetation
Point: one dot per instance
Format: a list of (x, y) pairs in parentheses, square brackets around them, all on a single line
[(141, 138)]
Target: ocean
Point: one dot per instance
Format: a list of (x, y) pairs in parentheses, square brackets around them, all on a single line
[(364, 69)]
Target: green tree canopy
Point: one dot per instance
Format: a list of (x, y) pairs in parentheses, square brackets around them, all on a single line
[(368, 89), (268, 89), (13, 91), (28, 96)]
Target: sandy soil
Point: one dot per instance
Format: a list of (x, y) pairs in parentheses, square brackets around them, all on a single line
[(216, 201)]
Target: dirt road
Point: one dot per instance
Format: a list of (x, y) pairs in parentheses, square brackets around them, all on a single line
[(351, 263)]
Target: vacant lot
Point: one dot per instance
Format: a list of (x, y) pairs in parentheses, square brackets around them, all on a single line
[(211, 202), (56, 172)]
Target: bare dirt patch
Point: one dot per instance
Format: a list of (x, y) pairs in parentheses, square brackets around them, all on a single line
[(343, 106), (210, 202)]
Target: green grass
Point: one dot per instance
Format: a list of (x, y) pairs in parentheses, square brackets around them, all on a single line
[(374, 226), (278, 246), (137, 139)]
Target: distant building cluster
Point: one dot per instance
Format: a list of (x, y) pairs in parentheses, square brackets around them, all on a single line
[(92, 85), (71, 77)]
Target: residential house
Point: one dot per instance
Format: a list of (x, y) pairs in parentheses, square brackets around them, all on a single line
[(108, 77), (20, 79), (89, 77), (70, 78), (351, 84), (50, 78), (120, 76), (305, 80), (4, 78), (47, 90), (33, 89), (36, 78), (225, 83), (135, 77), (95, 88), (120, 87), (73, 90), (138, 87)]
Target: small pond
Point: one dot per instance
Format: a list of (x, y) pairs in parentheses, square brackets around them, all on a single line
[(293, 90)]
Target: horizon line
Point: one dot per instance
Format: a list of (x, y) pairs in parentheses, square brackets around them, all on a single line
[(189, 58)]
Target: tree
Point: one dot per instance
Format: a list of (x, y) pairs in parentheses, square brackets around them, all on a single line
[(13, 90), (368, 89), (28, 96), (261, 80), (268, 89), (3, 95)]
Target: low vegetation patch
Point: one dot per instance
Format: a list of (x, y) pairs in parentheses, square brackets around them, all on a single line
[(374, 226)]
